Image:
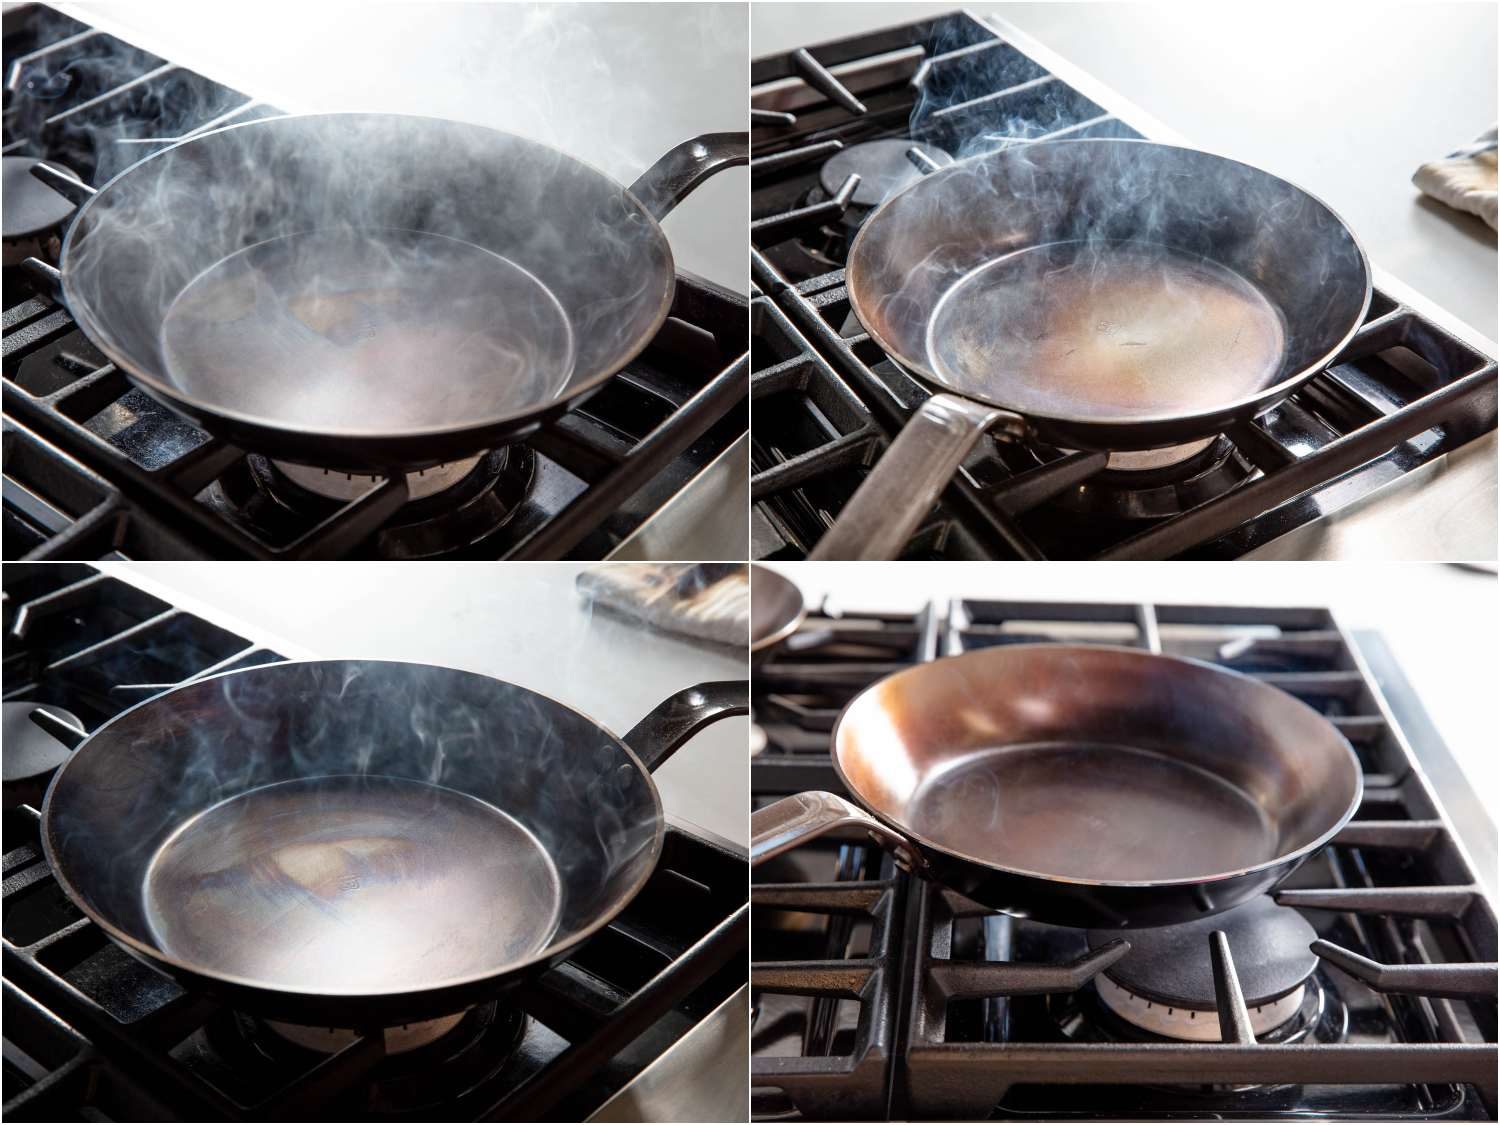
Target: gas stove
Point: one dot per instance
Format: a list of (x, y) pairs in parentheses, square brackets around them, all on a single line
[(613, 1033), (95, 468), (1368, 978), (839, 126)]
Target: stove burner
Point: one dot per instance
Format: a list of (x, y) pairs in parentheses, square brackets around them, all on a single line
[(31, 754), (398, 1040), (1130, 461), (427, 1065), (349, 486), (32, 211), (1194, 1024), (1171, 965), (883, 168), (452, 507), (1158, 483)]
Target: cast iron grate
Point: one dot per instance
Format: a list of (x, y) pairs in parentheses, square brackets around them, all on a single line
[(1407, 938), (89, 1031), (95, 468), (1403, 393)]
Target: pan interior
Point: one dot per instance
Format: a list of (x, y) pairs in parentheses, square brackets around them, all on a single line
[(352, 884), (1098, 329), (377, 330), (1092, 811)]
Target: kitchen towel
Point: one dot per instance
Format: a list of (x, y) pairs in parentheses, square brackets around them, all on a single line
[(706, 601), (1465, 179)]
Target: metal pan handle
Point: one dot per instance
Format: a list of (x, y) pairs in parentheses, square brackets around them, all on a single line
[(795, 820), (667, 183), (886, 508), (677, 718)]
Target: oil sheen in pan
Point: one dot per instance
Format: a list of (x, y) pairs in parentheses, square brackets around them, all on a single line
[(1103, 813), (1105, 330), (352, 885), (368, 331)]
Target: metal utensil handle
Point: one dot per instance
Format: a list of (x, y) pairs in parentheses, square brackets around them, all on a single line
[(678, 717), (667, 183), (886, 508), (793, 821)]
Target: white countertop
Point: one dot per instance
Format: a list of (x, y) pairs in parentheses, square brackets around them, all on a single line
[(1438, 620), (1344, 97), (614, 84), (521, 622)]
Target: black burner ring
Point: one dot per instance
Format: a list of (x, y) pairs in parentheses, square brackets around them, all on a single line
[(1172, 965)]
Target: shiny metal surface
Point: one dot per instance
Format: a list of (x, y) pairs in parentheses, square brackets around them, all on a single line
[(886, 508), (701, 1077), (776, 609), (1125, 329), (704, 521), (340, 843), (1115, 294), (583, 272), (1126, 224), (352, 884), (367, 330), (1085, 785)]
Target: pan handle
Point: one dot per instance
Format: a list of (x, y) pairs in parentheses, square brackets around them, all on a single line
[(795, 820), (667, 183), (886, 508), (678, 717)]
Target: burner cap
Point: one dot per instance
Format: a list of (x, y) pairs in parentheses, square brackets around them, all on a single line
[(31, 207), (398, 1040), (31, 754), (344, 487), (882, 166), (1171, 964)]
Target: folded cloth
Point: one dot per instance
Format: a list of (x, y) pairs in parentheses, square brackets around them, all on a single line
[(707, 601), (1464, 180)]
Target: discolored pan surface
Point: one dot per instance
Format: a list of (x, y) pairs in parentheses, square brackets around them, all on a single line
[(1105, 330), (352, 885), (1085, 811), (368, 332)]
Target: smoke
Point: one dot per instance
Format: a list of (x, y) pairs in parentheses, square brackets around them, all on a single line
[(288, 801), (367, 273), (1068, 271), (371, 271)]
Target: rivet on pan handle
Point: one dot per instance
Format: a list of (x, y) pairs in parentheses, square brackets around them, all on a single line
[(667, 183), (887, 507), (793, 821), (678, 717)]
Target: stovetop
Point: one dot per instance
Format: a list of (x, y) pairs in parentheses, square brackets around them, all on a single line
[(89, 1032), (95, 468), (1411, 387), (881, 996)]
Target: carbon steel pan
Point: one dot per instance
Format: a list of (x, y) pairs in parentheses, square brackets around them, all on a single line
[(344, 842), (1110, 291), (374, 291), (1093, 294), (1084, 785)]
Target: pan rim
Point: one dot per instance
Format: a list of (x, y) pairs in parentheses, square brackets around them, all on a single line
[(152, 955), (783, 632), (1293, 857), (83, 311), (1197, 419)]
